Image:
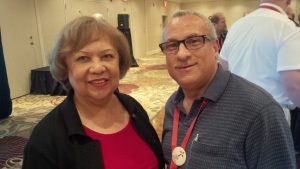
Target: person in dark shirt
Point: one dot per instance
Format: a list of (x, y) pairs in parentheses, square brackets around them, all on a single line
[(217, 119), (95, 127)]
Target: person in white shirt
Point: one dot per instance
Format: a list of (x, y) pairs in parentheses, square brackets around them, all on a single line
[(263, 47)]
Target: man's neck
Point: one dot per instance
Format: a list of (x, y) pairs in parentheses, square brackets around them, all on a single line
[(282, 4)]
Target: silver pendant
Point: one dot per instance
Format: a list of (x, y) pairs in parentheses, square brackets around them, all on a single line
[(178, 156)]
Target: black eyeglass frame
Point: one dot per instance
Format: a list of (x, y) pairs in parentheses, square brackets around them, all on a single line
[(184, 41)]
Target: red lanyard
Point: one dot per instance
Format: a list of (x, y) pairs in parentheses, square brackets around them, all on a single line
[(189, 131), (269, 7)]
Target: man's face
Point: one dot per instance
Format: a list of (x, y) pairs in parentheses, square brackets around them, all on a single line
[(191, 69)]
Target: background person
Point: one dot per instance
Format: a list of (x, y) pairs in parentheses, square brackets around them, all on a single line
[(291, 15), (219, 21), (217, 119), (94, 127), (263, 47)]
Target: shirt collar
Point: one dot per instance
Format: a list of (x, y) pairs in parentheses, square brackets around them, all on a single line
[(274, 6), (214, 90)]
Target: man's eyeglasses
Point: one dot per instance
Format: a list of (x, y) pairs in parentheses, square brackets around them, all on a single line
[(191, 43)]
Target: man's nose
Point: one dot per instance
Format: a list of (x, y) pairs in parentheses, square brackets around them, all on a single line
[(183, 52)]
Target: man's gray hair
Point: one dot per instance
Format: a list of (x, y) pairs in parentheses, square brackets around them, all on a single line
[(207, 23)]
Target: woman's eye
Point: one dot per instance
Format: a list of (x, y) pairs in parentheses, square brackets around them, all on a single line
[(82, 58), (108, 56)]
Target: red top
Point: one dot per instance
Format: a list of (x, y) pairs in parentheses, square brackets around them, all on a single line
[(124, 149)]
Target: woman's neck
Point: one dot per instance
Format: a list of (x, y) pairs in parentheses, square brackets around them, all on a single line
[(108, 117)]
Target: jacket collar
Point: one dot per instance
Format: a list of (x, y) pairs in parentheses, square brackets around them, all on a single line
[(71, 115)]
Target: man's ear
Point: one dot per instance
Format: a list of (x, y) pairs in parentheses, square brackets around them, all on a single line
[(216, 46)]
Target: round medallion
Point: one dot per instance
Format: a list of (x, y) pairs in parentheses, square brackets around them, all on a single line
[(178, 156)]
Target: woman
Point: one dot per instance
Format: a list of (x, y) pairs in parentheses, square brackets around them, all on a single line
[(95, 127)]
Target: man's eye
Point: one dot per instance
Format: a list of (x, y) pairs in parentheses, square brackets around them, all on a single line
[(194, 41), (171, 45)]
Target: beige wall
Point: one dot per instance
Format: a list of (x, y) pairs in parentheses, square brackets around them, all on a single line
[(143, 23), (231, 9), (20, 42), (145, 17), (297, 10), (49, 23), (47, 17), (154, 26)]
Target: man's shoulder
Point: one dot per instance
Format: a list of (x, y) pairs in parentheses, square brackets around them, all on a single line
[(242, 88), (246, 100)]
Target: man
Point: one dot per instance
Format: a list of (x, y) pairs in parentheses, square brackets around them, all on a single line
[(216, 119), (291, 15), (219, 21), (263, 47)]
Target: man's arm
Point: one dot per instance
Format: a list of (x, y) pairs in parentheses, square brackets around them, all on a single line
[(291, 83), (269, 143)]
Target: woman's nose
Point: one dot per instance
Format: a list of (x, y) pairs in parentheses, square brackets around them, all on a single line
[(97, 67)]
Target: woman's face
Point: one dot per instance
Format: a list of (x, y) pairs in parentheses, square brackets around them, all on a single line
[(93, 71)]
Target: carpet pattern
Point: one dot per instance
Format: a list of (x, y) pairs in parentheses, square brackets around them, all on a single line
[(149, 83), (11, 150)]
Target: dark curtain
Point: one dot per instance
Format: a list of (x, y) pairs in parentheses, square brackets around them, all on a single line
[(127, 33), (5, 100)]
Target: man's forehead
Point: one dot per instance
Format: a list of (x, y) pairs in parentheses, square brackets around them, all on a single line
[(184, 26), (185, 22), (185, 18)]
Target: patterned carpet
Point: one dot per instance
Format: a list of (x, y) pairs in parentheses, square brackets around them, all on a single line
[(149, 83)]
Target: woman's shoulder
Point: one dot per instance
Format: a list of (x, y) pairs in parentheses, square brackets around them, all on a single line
[(132, 105), (127, 99), (49, 125)]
